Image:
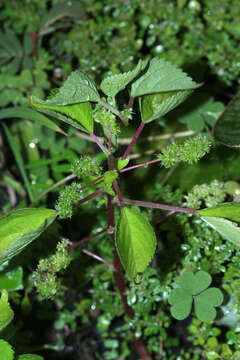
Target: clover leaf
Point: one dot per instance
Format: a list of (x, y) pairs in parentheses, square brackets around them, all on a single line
[(193, 288)]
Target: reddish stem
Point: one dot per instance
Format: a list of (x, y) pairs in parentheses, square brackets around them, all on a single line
[(160, 206), (110, 142), (133, 141), (91, 196), (95, 256), (99, 143), (119, 279), (146, 163), (34, 38), (119, 195), (76, 244), (91, 183)]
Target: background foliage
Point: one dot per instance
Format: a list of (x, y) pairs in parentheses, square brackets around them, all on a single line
[(41, 42)]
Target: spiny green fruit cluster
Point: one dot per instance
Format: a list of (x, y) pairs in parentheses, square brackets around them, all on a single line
[(86, 166), (68, 196), (106, 118), (45, 278), (190, 151), (211, 194)]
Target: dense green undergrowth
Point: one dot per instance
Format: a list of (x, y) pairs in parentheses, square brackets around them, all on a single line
[(41, 43)]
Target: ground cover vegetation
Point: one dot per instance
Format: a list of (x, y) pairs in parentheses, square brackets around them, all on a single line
[(119, 182)]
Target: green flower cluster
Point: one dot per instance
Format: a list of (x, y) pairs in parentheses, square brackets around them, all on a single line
[(106, 118), (44, 277), (69, 196), (86, 166), (208, 194), (190, 151)]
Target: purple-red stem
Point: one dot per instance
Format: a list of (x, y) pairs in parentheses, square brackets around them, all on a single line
[(118, 276), (99, 143), (119, 195), (91, 183), (76, 244), (110, 142), (146, 163), (91, 196), (95, 256), (160, 206), (133, 141)]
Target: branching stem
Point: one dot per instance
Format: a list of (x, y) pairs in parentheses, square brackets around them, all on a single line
[(97, 257), (89, 197), (76, 244), (160, 206), (133, 141), (146, 163)]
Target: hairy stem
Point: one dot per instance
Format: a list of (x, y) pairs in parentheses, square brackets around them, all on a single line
[(160, 206), (133, 141), (97, 257), (146, 163), (76, 244), (118, 276), (91, 196), (99, 143), (119, 195)]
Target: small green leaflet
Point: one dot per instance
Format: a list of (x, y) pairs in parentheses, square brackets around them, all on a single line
[(6, 350), (227, 127), (6, 313), (135, 241), (223, 218), (161, 88), (113, 84), (193, 288), (20, 228), (121, 164), (80, 113)]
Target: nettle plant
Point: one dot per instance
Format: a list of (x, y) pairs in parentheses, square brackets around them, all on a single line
[(159, 87)]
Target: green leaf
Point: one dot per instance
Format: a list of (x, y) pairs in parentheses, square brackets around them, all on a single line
[(121, 164), (27, 44), (230, 211), (6, 350), (20, 228), (194, 287), (181, 302), (194, 284), (227, 229), (6, 313), (18, 157), (72, 9), (198, 110), (155, 105), (30, 357), (81, 112), (205, 302), (135, 240), (29, 114), (162, 77), (77, 88), (227, 127), (11, 280), (113, 84)]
